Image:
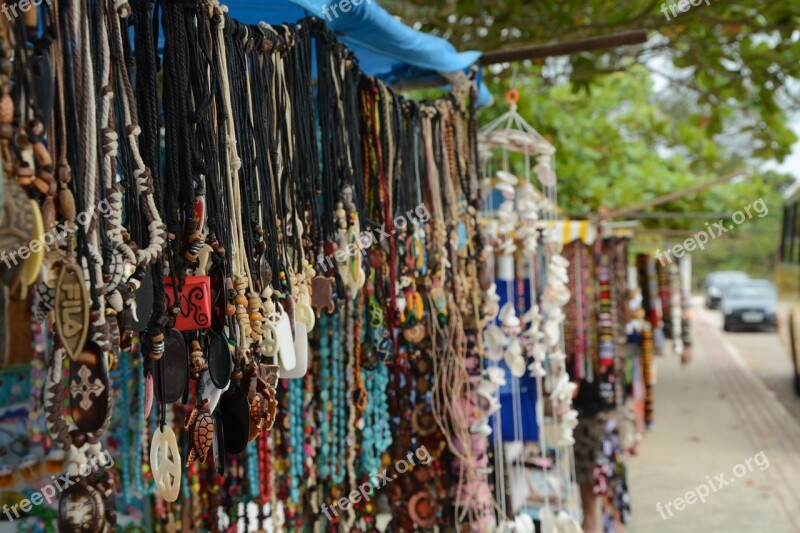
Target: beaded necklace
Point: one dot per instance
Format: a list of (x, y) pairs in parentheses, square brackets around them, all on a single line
[(254, 490), (339, 396), (325, 414), (296, 451)]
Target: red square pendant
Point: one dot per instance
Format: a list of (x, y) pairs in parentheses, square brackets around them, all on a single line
[(195, 302)]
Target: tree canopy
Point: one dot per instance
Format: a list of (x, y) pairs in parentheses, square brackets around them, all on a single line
[(732, 65)]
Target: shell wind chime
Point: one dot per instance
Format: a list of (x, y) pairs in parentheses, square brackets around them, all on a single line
[(532, 342)]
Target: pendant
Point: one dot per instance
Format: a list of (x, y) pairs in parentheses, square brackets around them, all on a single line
[(300, 353), (16, 228), (195, 303), (85, 507), (165, 463), (415, 334), (211, 392), (33, 265), (220, 363), (173, 367), (322, 295), (423, 509), (72, 309), (269, 343), (235, 412), (286, 354), (200, 425), (148, 395), (88, 388), (303, 314)]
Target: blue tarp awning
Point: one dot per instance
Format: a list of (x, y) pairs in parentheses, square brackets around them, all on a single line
[(385, 47)]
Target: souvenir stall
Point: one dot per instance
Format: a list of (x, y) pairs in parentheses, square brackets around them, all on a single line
[(244, 287), (652, 339)]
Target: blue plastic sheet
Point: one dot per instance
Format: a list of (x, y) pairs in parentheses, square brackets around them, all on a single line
[(385, 47)]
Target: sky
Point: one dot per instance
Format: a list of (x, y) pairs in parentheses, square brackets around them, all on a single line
[(791, 165)]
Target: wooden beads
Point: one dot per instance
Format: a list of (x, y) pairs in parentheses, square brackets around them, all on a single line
[(196, 359)]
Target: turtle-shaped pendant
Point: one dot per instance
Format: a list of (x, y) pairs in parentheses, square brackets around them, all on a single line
[(201, 433)]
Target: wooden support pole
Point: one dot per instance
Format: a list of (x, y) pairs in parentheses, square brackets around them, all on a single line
[(627, 211), (567, 48)]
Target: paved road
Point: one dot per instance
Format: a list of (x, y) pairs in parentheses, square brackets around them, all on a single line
[(734, 402)]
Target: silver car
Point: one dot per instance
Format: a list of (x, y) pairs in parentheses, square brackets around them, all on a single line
[(717, 282)]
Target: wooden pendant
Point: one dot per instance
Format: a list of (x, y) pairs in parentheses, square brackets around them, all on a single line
[(165, 463), (235, 412), (88, 388), (85, 507), (6, 109), (175, 367), (194, 302), (16, 229), (220, 363), (72, 309), (200, 425), (322, 294)]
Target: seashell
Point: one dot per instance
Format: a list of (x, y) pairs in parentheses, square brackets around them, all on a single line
[(482, 428), (552, 332), (546, 175), (490, 403), (508, 315), (506, 189), (568, 524), (494, 338), (516, 365), (496, 375), (547, 521), (486, 387), (539, 352), (507, 177), (523, 523), (532, 315), (536, 370)]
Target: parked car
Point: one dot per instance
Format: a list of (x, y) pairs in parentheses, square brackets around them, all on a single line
[(750, 303), (716, 282)]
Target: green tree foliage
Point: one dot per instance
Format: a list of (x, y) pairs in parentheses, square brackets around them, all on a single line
[(733, 63)]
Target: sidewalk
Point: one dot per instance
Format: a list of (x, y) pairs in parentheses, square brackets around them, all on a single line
[(711, 416)]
